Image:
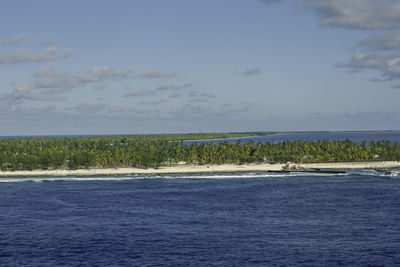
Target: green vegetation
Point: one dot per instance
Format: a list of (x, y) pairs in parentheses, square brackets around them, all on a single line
[(157, 150)]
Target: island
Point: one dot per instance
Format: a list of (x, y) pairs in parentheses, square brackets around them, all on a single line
[(165, 154)]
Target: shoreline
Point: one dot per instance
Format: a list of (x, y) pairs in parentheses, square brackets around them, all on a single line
[(191, 169)]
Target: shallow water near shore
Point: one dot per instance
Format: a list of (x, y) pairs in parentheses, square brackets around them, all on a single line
[(203, 219)]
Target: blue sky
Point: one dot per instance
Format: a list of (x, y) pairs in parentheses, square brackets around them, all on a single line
[(167, 66)]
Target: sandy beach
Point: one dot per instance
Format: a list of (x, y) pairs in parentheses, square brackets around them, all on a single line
[(202, 169)]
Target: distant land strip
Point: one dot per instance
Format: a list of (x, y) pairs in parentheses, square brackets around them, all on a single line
[(190, 169), (162, 151)]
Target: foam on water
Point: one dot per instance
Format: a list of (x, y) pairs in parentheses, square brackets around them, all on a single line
[(243, 175), (370, 172), (240, 175), (75, 179)]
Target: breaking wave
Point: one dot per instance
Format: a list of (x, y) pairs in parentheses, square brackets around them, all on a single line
[(240, 175)]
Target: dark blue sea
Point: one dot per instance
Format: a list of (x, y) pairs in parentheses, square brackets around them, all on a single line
[(246, 219)]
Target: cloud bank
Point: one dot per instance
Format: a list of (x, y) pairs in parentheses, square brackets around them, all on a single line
[(26, 56), (15, 39), (357, 14), (380, 52), (385, 41), (166, 87), (49, 84), (154, 74)]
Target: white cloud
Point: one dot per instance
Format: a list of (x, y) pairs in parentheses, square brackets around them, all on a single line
[(89, 108), (171, 86), (154, 74), (51, 78), (387, 64), (386, 41), (154, 110), (140, 93), (154, 102), (200, 96), (372, 60), (378, 52), (26, 56), (166, 87), (358, 14), (49, 84), (15, 39)]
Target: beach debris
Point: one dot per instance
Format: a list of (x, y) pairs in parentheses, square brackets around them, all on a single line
[(292, 167)]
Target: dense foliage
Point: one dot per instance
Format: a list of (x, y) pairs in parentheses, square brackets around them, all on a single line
[(157, 150)]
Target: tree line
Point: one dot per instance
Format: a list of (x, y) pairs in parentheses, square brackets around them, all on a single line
[(163, 150)]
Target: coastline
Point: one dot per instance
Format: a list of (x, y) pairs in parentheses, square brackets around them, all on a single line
[(190, 169)]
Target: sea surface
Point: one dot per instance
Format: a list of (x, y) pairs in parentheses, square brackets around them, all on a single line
[(356, 137), (246, 219)]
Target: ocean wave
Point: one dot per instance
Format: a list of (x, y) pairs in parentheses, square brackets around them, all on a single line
[(240, 175), (137, 177), (77, 179), (379, 173), (244, 175)]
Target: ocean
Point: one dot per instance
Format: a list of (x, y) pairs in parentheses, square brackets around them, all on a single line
[(230, 219), (356, 137), (247, 219)]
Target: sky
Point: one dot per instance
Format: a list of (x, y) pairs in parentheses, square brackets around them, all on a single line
[(177, 66)]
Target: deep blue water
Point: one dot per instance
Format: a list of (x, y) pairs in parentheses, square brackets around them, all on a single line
[(357, 137), (202, 220)]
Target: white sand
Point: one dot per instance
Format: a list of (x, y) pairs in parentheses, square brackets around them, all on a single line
[(354, 165), (200, 169)]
